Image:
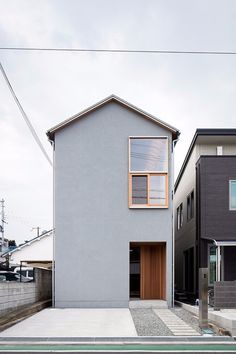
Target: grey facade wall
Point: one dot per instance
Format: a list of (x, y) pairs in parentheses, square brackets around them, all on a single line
[(14, 295), (93, 223)]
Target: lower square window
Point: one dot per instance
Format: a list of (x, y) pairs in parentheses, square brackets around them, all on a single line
[(148, 190)]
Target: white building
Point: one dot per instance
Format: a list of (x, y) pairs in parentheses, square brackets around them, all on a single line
[(37, 252)]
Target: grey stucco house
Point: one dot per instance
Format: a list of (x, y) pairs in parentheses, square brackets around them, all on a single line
[(113, 206)]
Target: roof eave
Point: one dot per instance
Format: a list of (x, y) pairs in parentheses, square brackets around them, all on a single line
[(18, 248), (51, 132), (202, 132)]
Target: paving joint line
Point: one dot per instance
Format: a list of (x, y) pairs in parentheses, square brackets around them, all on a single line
[(176, 325)]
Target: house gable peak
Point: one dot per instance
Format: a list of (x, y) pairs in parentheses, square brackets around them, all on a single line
[(51, 132)]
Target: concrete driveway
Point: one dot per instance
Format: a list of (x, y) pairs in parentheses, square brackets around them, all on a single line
[(75, 323)]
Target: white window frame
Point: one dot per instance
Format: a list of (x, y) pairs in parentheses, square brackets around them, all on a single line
[(180, 216), (191, 205), (219, 150), (221, 263), (208, 258), (230, 182)]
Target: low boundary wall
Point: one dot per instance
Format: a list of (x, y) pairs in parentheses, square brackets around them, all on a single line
[(224, 295), (14, 295), (223, 319)]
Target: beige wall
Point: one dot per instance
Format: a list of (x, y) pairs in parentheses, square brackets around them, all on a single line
[(185, 237), (210, 149)]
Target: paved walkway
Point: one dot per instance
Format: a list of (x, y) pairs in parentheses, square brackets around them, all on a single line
[(148, 304), (77, 323), (177, 326), (73, 323)]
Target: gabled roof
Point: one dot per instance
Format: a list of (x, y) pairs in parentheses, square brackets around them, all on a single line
[(50, 133), (28, 243), (203, 132)]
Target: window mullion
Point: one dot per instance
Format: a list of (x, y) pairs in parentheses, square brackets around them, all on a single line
[(130, 193), (148, 189), (167, 192)]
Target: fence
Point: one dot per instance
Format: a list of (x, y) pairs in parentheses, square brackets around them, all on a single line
[(14, 295)]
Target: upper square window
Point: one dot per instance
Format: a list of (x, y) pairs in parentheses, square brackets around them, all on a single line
[(148, 172), (149, 154), (232, 195)]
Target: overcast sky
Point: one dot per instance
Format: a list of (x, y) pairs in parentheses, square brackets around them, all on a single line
[(186, 91)]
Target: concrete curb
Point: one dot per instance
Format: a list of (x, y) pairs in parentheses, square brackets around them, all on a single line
[(121, 347), (121, 340)]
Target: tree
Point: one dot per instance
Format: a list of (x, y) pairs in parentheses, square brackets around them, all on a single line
[(12, 243)]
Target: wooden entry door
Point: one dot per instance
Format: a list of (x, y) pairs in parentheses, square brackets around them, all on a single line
[(153, 272)]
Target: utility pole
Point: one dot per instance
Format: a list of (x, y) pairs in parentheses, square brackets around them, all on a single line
[(36, 228), (2, 222)]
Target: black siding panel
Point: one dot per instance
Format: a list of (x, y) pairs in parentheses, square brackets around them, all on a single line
[(216, 220)]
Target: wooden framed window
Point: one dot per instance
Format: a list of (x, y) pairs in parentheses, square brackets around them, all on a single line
[(148, 172)]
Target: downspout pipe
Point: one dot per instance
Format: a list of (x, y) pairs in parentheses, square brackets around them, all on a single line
[(174, 142), (53, 231)]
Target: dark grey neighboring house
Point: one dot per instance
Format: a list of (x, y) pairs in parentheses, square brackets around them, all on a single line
[(205, 209), (113, 206)]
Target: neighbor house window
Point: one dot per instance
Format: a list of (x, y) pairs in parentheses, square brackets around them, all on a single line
[(180, 216), (212, 264), (219, 150), (190, 206), (232, 195), (148, 172)]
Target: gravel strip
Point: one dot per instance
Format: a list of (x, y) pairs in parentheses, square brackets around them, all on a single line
[(192, 320), (187, 317), (148, 324)]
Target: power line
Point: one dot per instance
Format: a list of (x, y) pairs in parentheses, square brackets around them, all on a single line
[(193, 52), (26, 119)]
